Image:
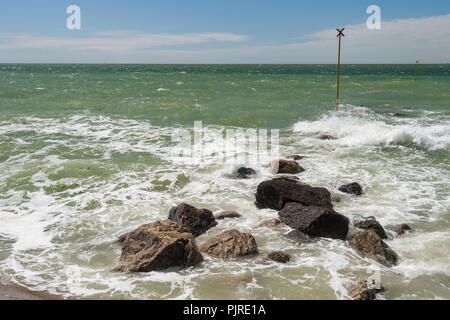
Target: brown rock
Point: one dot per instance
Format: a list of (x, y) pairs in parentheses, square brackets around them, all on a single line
[(369, 244), (352, 188), (158, 246), (230, 244), (315, 221), (335, 198), (401, 228), (296, 157), (363, 291), (370, 223), (274, 194), (227, 214), (285, 166), (191, 219), (271, 223), (279, 256)]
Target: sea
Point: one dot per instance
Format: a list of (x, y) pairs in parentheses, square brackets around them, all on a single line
[(86, 155)]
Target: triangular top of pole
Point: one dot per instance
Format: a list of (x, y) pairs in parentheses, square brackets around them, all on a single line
[(340, 35)]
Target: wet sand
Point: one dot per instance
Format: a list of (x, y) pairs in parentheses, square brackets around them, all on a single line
[(14, 292)]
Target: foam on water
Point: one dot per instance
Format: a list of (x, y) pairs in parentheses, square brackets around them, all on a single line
[(62, 214)]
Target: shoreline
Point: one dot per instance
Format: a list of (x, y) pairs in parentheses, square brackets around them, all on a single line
[(10, 291)]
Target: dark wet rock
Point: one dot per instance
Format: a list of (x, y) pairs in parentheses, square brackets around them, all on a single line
[(245, 173), (298, 236), (274, 194), (315, 221), (352, 188), (191, 219), (271, 223), (369, 244), (285, 166), (326, 137), (230, 244), (279, 256), (364, 290), (227, 214), (370, 223), (401, 228), (122, 237), (158, 246), (296, 157)]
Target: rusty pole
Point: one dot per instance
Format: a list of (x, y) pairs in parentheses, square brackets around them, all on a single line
[(340, 35)]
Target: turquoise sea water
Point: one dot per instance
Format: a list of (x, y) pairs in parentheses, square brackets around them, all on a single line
[(85, 156)]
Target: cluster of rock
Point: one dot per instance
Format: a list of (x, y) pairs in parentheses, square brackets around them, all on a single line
[(172, 243), (306, 209)]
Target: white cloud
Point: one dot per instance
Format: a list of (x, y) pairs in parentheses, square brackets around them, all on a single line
[(398, 41), (111, 42)]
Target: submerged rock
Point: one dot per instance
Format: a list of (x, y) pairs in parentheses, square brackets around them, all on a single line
[(370, 223), (364, 291), (279, 256), (274, 194), (285, 166), (335, 198), (245, 173), (296, 157), (326, 137), (230, 244), (369, 244), (298, 236), (158, 246), (352, 188), (401, 228), (191, 219), (271, 223), (227, 214), (315, 221)]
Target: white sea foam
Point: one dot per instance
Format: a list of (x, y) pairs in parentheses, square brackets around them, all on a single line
[(74, 227)]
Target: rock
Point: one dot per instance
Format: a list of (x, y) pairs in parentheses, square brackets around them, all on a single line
[(363, 291), (122, 238), (158, 246), (296, 157), (401, 228), (230, 244), (227, 214), (369, 244), (326, 137), (370, 223), (245, 173), (279, 256), (191, 219), (285, 166), (271, 223), (298, 236), (352, 188), (315, 221), (275, 193)]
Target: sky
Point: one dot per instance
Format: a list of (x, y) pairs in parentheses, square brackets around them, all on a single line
[(218, 31)]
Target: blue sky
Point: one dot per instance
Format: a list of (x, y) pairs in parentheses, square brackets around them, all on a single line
[(215, 31)]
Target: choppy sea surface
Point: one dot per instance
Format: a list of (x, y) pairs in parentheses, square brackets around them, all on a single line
[(85, 156)]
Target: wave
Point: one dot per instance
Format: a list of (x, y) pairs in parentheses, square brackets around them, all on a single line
[(358, 126)]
